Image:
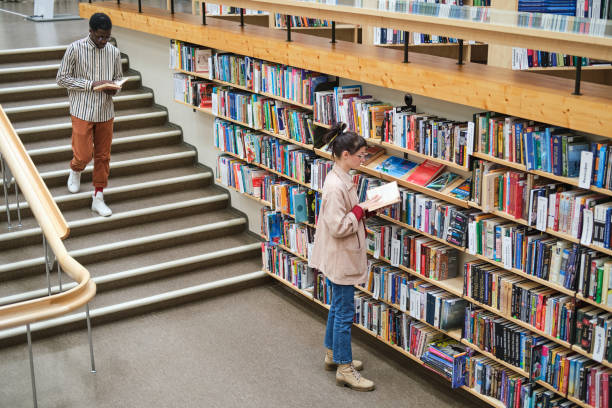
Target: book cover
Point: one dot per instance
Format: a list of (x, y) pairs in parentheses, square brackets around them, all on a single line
[(425, 172), (395, 166)]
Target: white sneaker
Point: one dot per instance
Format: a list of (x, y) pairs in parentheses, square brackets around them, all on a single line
[(98, 205), (74, 181)]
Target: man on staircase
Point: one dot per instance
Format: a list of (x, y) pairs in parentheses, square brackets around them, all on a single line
[(89, 70)]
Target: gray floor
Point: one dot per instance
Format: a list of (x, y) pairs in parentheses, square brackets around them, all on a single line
[(214, 353), (258, 347)]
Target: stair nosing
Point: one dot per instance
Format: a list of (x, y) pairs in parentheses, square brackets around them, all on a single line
[(86, 222), (35, 68), (118, 141), (133, 304), (132, 273), (98, 249), (49, 86), (68, 125), (119, 189), (30, 50), (66, 104)]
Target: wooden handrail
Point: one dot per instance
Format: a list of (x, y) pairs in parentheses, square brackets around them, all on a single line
[(54, 228), (501, 30)]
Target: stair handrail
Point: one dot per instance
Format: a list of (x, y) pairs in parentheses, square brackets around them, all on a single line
[(54, 228)]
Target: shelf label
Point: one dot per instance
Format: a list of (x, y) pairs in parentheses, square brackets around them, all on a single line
[(377, 246), (586, 168), (599, 343), (470, 138), (376, 293), (507, 252), (472, 238), (395, 252), (587, 227), (403, 296), (542, 214)]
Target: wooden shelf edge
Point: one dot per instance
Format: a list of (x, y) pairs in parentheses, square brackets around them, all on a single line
[(244, 88), (259, 200), (607, 308), (420, 155)]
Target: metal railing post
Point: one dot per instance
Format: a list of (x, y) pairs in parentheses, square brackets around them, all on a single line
[(5, 180), (32, 376), (241, 17), (578, 75), (48, 265), (460, 57), (333, 33), (140, 6), (288, 19), (406, 35), (89, 336), (203, 13)]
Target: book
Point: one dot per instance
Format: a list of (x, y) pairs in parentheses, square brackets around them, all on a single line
[(372, 153), (395, 166), (389, 195), (425, 172), (111, 85)]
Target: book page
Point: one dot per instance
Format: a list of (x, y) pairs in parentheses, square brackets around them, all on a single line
[(113, 85), (389, 194)]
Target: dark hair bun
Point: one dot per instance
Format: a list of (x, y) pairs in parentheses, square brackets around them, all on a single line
[(331, 134)]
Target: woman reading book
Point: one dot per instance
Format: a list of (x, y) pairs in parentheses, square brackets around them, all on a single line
[(340, 252)]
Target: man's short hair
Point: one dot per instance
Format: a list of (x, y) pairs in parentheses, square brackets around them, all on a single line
[(100, 21)]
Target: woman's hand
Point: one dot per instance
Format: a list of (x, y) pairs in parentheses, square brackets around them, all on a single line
[(370, 203)]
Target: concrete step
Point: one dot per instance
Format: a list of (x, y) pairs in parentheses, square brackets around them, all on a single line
[(46, 87), (189, 291), (61, 126), (136, 268), (99, 245), (122, 187), (17, 72), (132, 161), (59, 106), (130, 211)]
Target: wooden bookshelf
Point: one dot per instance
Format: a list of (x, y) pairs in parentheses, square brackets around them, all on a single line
[(578, 402), (474, 347), (607, 308), (323, 125), (484, 87), (245, 88), (259, 200), (585, 353), (278, 173), (573, 181), (413, 153)]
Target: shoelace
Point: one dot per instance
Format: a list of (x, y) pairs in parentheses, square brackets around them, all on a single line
[(355, 373)]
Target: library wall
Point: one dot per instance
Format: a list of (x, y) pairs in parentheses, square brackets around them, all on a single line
[(149, 55)]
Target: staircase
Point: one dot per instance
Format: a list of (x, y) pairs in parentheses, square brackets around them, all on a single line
[(173, 236)]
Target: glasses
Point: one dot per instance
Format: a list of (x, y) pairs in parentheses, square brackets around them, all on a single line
[(362, 156), (102, 37)]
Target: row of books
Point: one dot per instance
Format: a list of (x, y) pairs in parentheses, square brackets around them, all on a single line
[(189, 57), (287, 159), (398, 125), (246, 178), (256, 75), (193, 91), (280, 20), (545, 148), (400, 246), (505, 340), (287, 266), (571, 374), (516, 297), (579, 213), (218, 10), (263, 113), (598, 9), (444, 356), (420, 299), (279, 229), (525, 58)]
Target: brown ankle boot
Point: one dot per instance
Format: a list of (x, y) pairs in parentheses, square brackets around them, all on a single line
[(331, 366), (347, 375)]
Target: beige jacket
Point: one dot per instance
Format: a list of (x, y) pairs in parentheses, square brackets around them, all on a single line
[(339, 246)]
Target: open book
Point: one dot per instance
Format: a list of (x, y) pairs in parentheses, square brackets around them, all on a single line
[(389, 194), (111, 85)]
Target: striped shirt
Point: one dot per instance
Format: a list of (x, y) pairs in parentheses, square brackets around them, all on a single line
[(82, 65)]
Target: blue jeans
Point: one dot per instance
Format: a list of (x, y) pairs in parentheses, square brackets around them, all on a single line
[(339, 322)]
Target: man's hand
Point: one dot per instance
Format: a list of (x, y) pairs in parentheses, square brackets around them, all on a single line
[(98, 83)]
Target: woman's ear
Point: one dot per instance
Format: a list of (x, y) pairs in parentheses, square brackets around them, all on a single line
[(345, 155)]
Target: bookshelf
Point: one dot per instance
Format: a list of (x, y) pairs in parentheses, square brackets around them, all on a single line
[(454, 287)]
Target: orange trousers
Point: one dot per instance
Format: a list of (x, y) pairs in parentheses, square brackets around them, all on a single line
[(92, 140)]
